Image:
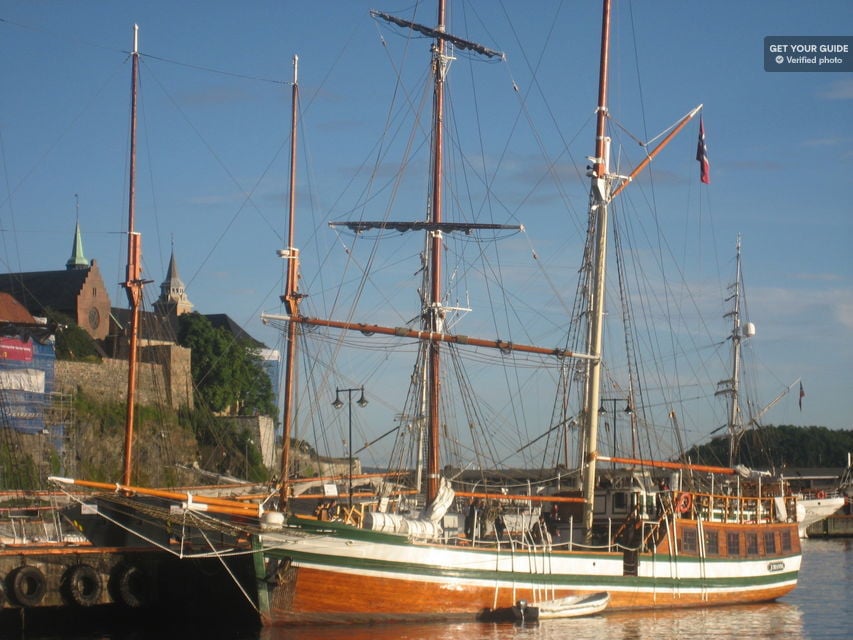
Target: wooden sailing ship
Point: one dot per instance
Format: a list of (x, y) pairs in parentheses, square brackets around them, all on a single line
[(117, 571), (654, 533)]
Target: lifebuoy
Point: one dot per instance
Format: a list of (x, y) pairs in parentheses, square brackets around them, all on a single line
[(684, 502), (82, 585), (130, 587), (821, 495), (28, 585)]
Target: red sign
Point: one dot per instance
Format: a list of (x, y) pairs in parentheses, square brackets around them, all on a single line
[(13, 349)]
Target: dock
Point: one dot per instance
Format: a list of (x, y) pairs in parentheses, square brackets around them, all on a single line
[(835, 526), (40, 584)]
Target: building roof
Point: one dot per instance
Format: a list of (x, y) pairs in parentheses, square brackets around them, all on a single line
[(39, 290), (813, 473), (223, 321), (152, 325), (13, 311), (17, 322)]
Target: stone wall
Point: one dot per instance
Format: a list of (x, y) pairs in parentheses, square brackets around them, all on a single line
[(163, 377), (261, 430)]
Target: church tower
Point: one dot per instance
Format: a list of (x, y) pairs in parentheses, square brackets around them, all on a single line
[(173, 297)]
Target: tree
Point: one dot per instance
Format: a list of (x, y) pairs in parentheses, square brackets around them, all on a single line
[(778, 447), (72, 341), (227, 373)]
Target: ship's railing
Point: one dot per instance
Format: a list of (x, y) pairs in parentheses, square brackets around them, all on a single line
[(743, 509), (820, 494), (708, 507)]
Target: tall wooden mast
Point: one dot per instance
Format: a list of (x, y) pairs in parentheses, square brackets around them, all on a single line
[(603, 189), (290, 298), (133, 280), (432, 312), (434, 315), (600, 197)]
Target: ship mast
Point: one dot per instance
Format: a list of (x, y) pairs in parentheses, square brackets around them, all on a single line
[(290, 298), (731, 387), (433, 313), (133, 276), (604, 187), (600, 198)]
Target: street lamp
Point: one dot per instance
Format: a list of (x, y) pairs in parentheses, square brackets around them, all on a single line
[(337, 404), (629, 411), (246, 454)]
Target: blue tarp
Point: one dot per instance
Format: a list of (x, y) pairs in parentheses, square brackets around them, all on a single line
[(26, 387)]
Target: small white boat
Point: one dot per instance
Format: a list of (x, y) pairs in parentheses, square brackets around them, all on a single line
[(568, 607), (814, 507)]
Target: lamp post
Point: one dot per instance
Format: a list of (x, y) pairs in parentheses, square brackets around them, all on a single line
[(337, 404), (629, 411), (246, 454)]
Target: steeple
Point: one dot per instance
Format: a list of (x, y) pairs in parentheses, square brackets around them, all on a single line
[(173, 296), (77, 259)]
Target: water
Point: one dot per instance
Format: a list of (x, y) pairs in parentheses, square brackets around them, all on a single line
[(820, 608)]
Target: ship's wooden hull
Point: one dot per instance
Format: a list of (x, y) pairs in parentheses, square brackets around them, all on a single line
[(344, 574)]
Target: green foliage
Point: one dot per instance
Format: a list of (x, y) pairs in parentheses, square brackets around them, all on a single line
[(163, 441), (777, 447), (106, 415), (225, 446), (54, 462), (17, 467), (72, 342), (100, 437), (227, 374)]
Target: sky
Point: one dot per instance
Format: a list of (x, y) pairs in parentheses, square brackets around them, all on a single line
[(213, 141)]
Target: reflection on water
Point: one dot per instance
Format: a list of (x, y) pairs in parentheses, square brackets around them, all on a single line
[(775, 621), (824, 588)]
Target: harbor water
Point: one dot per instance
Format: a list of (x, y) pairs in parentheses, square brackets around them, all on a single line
[(820, 608)]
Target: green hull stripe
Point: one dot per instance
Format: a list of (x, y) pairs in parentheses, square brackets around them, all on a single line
[(412, 570)]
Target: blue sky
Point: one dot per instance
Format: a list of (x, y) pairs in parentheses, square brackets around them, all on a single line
[(213, 140)]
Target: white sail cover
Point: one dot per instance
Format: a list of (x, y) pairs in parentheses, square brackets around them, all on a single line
[(436, 510), (781, 509), (427, 526)]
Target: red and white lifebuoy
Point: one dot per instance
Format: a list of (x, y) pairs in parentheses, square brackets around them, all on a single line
[(684, 502), (821, 495)]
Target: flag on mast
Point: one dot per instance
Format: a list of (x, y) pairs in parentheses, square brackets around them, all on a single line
[(702, 155), (802, 395)]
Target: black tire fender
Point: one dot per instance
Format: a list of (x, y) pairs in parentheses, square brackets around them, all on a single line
[(27, 585), (82, 585), (130, 586)]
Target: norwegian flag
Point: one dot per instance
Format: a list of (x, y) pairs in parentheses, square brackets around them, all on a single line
[(702, 155)]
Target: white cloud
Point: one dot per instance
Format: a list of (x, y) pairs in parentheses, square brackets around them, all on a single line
[(830, 309), (817, 277), (839, 90), (844, 311), (823, 142)]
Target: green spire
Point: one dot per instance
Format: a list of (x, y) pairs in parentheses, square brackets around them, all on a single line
[(77, 259)]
